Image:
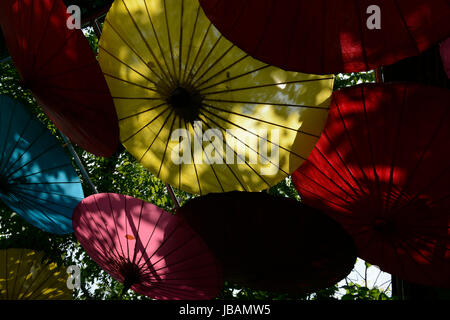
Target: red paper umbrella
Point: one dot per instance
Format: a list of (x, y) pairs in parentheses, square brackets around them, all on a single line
[(445, 54), (331, 36), (61, 70), (145, 248), (271, 243), (381, 168)]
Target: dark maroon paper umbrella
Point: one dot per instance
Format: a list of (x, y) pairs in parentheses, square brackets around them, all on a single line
[(271, 243), (381, 168), (58, 66), (145, 248), (445, 55), (331, 36)]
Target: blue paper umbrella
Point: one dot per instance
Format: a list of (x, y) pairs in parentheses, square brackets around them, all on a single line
[(37, 179)]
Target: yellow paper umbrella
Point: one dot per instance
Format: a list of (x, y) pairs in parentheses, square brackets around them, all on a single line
[(197, 111), (25, 276)]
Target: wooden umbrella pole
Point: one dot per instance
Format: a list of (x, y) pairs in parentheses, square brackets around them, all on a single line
[(173, 196), (379, 75), (80, 165)]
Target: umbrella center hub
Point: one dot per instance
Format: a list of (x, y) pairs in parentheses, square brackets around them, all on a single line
[(4, 185), (384, 226), (186, 103), (131, 274)]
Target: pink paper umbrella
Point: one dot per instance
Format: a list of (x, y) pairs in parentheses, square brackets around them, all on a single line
[(147, 249), (445, 55)]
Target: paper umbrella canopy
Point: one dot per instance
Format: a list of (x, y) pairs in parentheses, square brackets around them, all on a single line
[(37, 179), (381, 169), (26, 275), (58, 66), (170, 71), (331, 36), (271, 243), (445, 55), (147, 249)]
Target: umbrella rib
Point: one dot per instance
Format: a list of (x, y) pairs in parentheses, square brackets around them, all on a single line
[(263, 85), (111, 248), (16, 144), (413, 41), (138, 98), (223, 129), (154, 119), (326, 189), (181, 165), (268, 103), (263, 121), (407, 245), (242, 159), (347, 133), (156, 136), (170, 41), (150, 238), (138, 228), (55, 54), (129, 82), (190, 44), (45, 170), (39, 201), (169, 77), (17, 273), (192, 157), (209, 161), (438, 200), (43, 35), (166, 239), (128, 66), (234, 78), (47, 192), (267, 140), (215, 63), (41, 283), (32, 204), (165, 148), (237, 155), (6, 139), (198, 52), (137, 54), (422, 156), (6, 273), (396, 144), (184, 243), (25, 203), (325, 134), (44, 183), (223, 70), (339, 175), (33, 282), (126, 229), (370, 145), (142, 112), (193, 75), (115, 223), (30, 161), (145, 40), (180, 48)]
